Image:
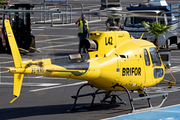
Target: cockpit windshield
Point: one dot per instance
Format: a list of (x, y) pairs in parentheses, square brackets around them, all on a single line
[(155, 57)]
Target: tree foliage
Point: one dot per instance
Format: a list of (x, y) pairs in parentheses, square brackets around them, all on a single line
[(156, 28)]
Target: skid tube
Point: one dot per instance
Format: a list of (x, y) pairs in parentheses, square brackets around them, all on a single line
[(75, 97), (164, 97), (107, 96)]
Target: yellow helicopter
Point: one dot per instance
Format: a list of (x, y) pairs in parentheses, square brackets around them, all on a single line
[(116, 62)]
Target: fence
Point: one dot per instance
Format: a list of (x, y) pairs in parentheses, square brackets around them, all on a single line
[(66, 15)]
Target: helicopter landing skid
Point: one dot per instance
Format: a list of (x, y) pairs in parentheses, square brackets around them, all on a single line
[(108, 94), (104, 100), (164, 97)]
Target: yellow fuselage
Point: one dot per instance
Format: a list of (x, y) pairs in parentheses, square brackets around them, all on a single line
[(118, 59)]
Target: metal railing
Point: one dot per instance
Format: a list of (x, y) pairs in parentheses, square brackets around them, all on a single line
[(80, 5), (65, 16), (62, 15), (44, 17), (93, 10), (41, 8)]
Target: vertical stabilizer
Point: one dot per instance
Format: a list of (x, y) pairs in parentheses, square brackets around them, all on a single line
[(18, 78), (12, 43)]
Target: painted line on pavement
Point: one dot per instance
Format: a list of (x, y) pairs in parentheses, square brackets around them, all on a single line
[(163, 89), (6, 57), (176, 51), (6, 62), (50, 35), (39, 77), (4, 72), (33, 77), (67, 85), (175, 68), (49, 40), (33, 84), (38, 29), (61, 49), (58, 46)]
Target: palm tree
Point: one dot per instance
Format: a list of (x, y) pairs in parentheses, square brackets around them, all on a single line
[(156, 28)]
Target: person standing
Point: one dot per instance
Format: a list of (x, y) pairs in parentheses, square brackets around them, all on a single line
[(83, 30)]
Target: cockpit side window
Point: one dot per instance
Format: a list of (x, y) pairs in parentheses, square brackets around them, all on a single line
[(146, 56), (155, 57)]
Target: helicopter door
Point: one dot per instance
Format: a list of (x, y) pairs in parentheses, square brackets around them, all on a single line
[(152, 65), (132, 70), (157, 65)]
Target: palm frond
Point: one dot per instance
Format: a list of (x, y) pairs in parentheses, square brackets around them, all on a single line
[(155, 28)]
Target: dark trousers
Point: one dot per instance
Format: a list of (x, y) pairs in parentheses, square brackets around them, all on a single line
[(82, 36)]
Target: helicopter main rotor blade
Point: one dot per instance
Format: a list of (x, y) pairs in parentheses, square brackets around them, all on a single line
[(30, 11)]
